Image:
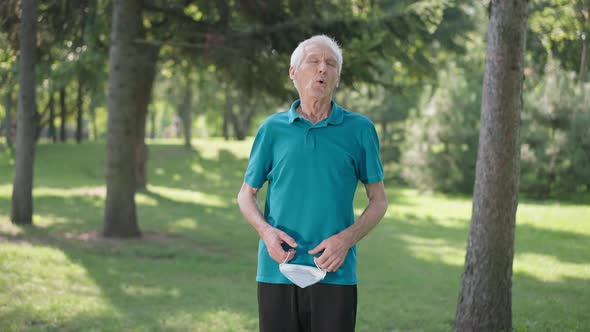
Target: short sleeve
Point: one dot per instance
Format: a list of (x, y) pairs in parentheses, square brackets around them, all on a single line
[(370, 166), (260, 162)]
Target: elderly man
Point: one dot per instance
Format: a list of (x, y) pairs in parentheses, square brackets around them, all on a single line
[(312, 156)]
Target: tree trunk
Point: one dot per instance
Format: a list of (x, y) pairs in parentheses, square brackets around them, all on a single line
[(153, 125), (52, 130), (92, 111), (63, 136), (147, 62), (584, 61), (120, 218), (485, 301), (80, 109), (185, 111), (585, 41), (241, 121), (8, 127), (22, 190), (227, 113)]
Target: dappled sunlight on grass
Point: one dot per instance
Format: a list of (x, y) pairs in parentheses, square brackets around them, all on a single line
[(69, 192), (225, 320), (140, 290), (8, 228), (210, 148), (549, 268), (141, 199), (435, 250), (572, 218), (188, 196), (184, 224), (48, 281), (6, 190)]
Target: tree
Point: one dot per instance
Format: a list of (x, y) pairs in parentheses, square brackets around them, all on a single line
[(147, 61), (485, 300), (22, 190), (7, 123), (120, 218)]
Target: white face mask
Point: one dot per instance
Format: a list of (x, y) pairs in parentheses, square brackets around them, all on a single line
[(302, 275)]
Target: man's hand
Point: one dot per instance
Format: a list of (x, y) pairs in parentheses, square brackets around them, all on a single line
[(273, 238), (335, 248)]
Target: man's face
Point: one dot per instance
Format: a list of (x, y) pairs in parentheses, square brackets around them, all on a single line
[(317, 75)]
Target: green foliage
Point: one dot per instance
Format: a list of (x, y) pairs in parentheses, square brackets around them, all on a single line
[(555, 136), (557, 29), (194, 269), (441, 143)]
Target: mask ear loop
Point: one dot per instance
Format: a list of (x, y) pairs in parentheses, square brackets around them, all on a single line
[(286, 259), (316, 264)]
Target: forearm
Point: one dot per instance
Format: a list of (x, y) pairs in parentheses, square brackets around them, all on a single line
[(272, 237), (247, 200), (370, 217)]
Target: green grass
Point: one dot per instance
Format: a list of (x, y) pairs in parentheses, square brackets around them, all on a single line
[(194, 268)]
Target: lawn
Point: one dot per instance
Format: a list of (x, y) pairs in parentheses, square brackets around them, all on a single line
[(194, 268)]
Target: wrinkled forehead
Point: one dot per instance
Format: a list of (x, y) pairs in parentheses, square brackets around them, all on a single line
[(320, 49)]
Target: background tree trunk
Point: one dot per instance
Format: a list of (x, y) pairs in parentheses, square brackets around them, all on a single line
[(485, 301), (92, 111), (227, 112), (52, 130), (185, 111), (8, 119), (80, 109), (63, 136), (585, 21), (120, 218), (153, 125), (22, 190), (148, 62)]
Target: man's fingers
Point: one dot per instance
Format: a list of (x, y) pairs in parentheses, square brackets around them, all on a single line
[(317, 249), (334, 266), (289, 255), (290, 241)]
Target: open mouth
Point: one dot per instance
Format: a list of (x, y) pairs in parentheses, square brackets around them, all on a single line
[(321, 81)]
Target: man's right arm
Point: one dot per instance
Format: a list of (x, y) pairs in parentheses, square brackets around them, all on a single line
[(272, 237)]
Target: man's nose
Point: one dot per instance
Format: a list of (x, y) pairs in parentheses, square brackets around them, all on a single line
[(322, 66)]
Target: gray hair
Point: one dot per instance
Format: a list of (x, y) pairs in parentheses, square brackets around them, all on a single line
[(297, 56)]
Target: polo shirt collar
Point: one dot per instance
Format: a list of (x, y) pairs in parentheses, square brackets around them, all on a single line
[(335, 116)]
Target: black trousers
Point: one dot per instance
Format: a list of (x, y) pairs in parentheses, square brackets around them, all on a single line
[(317, 308)]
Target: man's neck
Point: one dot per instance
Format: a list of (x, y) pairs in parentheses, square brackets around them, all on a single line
[(315, 110)]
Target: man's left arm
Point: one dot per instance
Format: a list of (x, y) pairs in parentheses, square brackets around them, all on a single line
[(335, 248)]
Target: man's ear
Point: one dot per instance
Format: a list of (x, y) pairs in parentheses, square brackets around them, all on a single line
[(292, 73)]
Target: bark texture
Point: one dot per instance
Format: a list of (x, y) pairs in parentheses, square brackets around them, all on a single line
[(120, 218), (63, 136), (185, 111), (585, 36), (8, 123), (52, 130), (485, 301), (80, 110), (147, 62), (22, 190)]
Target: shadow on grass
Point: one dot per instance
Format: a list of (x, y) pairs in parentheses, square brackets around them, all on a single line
[(410, 277), (154, 285)]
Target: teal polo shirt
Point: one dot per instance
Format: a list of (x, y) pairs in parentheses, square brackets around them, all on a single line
[(312, 172)]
